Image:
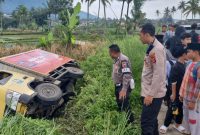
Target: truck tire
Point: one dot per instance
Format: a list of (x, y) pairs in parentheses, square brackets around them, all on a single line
[(74, 72), (48, 92)]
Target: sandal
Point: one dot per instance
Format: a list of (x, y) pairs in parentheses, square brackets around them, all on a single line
[(187, 133), (163, 129), (180, 129)]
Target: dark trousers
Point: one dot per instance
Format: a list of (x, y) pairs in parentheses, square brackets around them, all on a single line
[(124, 105), (168, 94), (169, 115), (149, 121)]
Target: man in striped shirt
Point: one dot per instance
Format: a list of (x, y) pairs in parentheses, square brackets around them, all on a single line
[(190, 90)]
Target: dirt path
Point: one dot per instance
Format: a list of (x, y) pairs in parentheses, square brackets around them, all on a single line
[(161, 117)]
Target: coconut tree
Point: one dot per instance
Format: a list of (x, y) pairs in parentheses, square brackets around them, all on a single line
[(192, 7), (122, 9), (22, 13), (167, 12), (1, 1), (137, 15), (181, 7), (105, 3), (158, 13), (199, 11), (127, 11), (89, 3), (128, 5), (173, 10), (99, 9)]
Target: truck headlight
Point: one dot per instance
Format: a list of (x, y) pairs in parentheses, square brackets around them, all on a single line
[(12, 99)]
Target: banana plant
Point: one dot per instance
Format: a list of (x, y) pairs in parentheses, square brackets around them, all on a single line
[(70, 21), (46, 42)]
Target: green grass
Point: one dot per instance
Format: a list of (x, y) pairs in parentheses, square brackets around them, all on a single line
[(20, 38), (94, 112), (19, 125)]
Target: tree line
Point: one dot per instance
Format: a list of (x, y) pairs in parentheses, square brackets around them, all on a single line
[(186, 8), (33, 18), (37, 17)]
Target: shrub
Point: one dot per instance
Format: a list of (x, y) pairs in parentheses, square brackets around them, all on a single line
[(46, 42)]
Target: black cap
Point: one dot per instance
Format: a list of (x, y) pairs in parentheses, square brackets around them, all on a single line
[(193, 46)]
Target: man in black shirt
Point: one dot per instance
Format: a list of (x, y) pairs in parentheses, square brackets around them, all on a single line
[(175, 108), (194, 34), (172, 42)]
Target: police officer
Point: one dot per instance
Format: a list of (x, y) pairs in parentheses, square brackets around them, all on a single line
[(123, 80), (153, 80)]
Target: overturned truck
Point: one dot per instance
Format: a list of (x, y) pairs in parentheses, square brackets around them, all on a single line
[(36, 83)]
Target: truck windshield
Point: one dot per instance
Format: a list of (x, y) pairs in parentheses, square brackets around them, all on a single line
[(4, 77)]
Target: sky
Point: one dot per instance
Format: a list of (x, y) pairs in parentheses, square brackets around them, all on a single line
[(149, 7)]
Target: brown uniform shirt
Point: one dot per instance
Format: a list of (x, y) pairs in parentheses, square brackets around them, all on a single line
[(154, 71), (122, 71)]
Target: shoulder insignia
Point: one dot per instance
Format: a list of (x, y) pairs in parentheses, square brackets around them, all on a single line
[(152, 57)]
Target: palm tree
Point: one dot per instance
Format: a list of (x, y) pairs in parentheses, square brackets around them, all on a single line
[(158, 13), (128, 5), (1, 1), (192, 6), (167, 12), (199, 11), (137, 15), (127, 11), (122, 9), (89, 3), (22, 12), (99, 9), (173, 10), (181, 7), (105, 3)]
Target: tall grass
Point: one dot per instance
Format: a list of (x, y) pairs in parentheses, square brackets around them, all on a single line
[(94, 112), (19, 125), (79, 52)]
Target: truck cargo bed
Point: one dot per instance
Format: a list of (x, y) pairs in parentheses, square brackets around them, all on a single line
[(36, 63)]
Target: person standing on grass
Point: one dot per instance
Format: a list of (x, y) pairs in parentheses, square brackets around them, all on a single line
[(175, 107), (153, 80), (190, 91), (123, 79)]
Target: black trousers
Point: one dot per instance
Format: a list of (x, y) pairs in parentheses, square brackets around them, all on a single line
[(168, 94), (169, 115), (124, 105), (149, 121)]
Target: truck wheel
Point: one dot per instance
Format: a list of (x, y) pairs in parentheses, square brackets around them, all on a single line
[(48, 92), (74, 72)]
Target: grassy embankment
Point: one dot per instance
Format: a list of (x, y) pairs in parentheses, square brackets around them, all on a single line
[(93, 111)]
